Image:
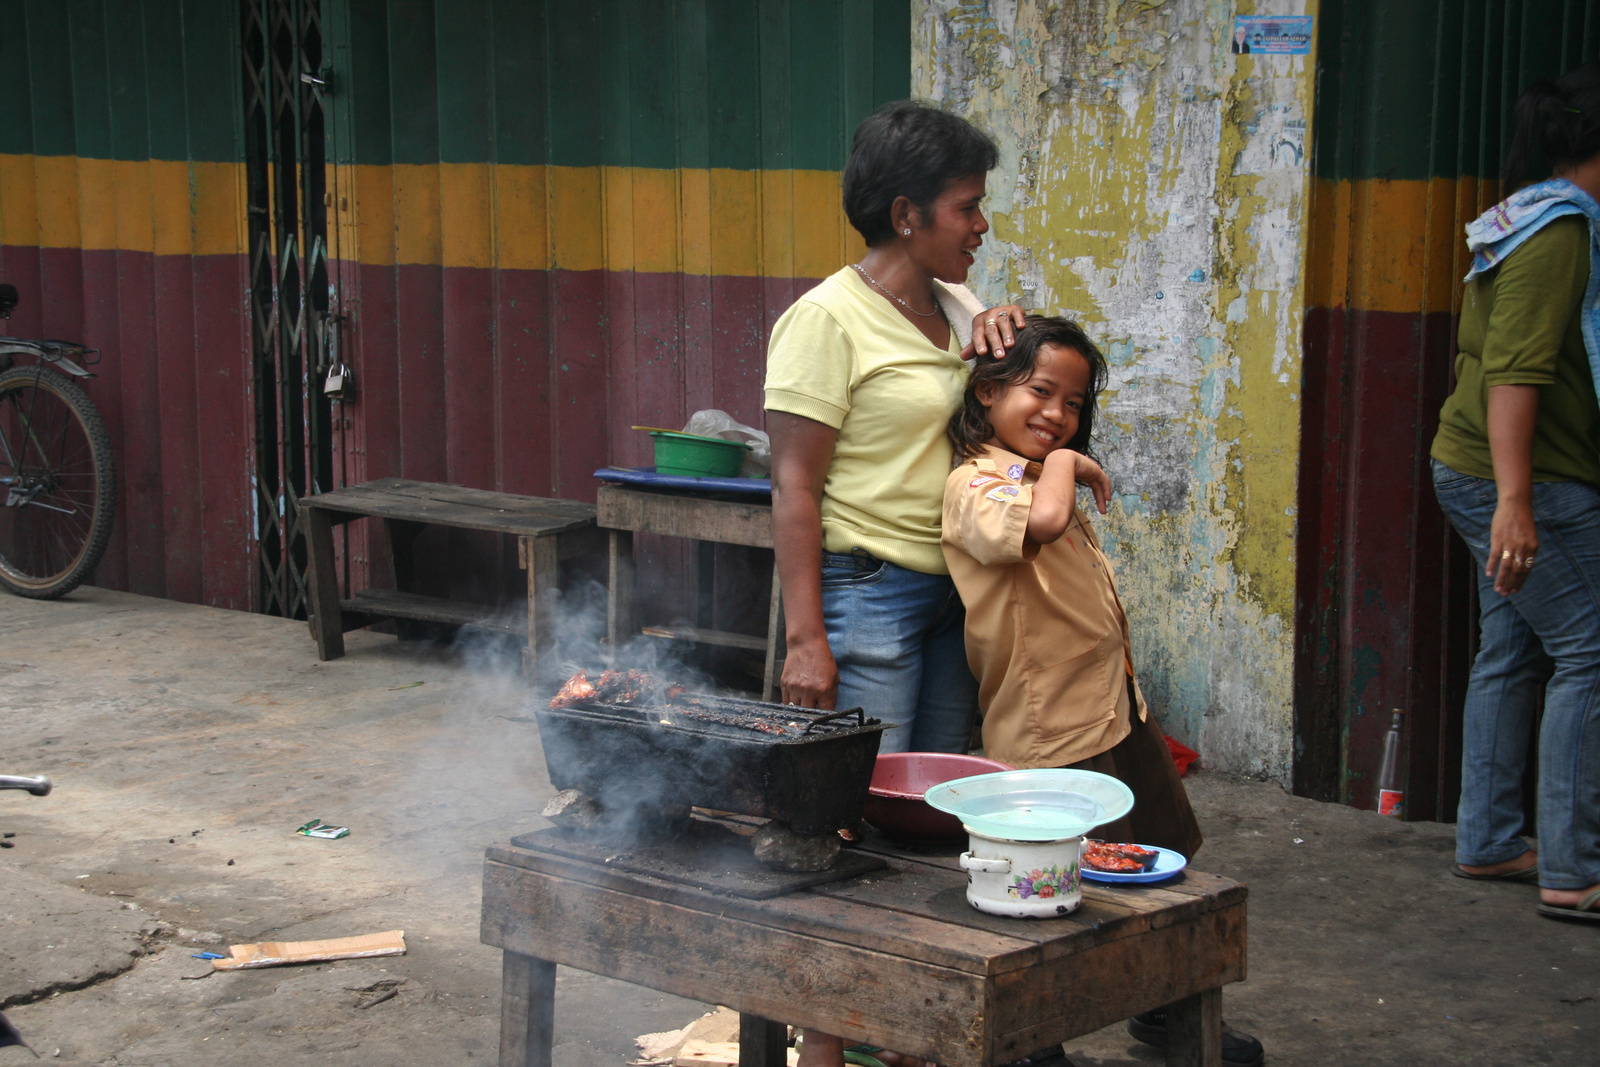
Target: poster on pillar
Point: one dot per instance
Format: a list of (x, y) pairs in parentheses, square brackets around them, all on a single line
[(1271, 35)]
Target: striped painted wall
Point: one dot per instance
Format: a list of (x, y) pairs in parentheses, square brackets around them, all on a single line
[(1411, 121), (555, 221), (548, 222), (121, 223)]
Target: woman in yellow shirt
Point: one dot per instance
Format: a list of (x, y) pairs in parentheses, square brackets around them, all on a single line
[(863, 373)]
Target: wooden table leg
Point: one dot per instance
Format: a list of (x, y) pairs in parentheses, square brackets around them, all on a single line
[(762, 1042), (1194, 1030), (770, 679), (538, 557), (327, 618), (620, 623), (527, 1010)]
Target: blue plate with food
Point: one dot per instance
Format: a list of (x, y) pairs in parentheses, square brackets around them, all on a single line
[(1116, 863)]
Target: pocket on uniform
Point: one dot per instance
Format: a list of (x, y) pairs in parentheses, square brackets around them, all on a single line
[(1075, 694)]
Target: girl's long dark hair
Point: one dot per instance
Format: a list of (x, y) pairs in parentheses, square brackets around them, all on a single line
[(1554, 124), (969, 426)]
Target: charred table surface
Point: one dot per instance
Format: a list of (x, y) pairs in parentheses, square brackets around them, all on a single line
[(547, 532), (896, 958)]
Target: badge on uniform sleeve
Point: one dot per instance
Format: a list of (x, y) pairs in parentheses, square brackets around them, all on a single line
[(982, 479), (1005, 493), (1014, 472)]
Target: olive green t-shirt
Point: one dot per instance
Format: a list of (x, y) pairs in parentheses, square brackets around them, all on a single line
[(1521, 324)]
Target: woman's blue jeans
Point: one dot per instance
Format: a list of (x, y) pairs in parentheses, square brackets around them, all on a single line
[(1549, 632), (898, 637)]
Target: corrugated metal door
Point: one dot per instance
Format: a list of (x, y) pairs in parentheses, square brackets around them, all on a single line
[(1412, 111)]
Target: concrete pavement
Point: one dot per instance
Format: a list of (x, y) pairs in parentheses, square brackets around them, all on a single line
[(187, 743)]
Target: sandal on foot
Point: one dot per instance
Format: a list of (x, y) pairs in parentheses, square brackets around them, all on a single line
[(1583, 911), (1045, 1057), (1527, 874), (1239, 1049)]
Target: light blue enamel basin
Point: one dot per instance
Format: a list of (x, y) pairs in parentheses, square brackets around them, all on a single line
[(1037, 805)]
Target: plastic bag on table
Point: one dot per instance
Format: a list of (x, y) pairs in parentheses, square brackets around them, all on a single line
[(714, 423)]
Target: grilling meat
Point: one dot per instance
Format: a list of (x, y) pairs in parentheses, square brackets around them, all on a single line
[(576, 690), (617, 687)]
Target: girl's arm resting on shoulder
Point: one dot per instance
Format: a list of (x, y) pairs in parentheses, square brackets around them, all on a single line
[(1055, 493), (802, 450), (1513, 410)]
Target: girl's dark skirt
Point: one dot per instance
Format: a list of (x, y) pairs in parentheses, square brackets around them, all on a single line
[(1161, 812)]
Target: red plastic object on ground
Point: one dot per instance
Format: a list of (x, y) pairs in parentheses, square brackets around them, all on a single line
[(1182, 755), (895, 804)]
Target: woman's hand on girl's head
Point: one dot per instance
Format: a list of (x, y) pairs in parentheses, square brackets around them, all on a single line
[(994, 331)]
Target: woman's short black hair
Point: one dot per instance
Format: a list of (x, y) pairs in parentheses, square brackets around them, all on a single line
[(970, 428), (911, 150), (1555, 124)]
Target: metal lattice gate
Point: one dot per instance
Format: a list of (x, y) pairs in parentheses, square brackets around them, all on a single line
[(285, 89)]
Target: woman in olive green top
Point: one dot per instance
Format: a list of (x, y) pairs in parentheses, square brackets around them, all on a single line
[(1516, 466)]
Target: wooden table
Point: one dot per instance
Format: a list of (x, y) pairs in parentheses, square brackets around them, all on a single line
[(896, 958), (624, 511), (547, 531)]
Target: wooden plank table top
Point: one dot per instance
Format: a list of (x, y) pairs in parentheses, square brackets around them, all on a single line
[(896, 958), (437, 504), (547, 531)]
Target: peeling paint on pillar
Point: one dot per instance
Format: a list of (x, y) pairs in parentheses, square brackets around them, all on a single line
[(1153, 186)]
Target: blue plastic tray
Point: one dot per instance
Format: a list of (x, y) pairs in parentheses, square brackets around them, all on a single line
[(648, 478)]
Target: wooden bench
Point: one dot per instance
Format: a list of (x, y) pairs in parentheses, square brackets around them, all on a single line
[(624, 511), (547, 531), (896, 958)]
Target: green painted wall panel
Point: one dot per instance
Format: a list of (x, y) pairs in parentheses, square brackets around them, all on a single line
[(413, 114), (521, 130), (212, 63), (465, 32), (166, 80), (127, 80), (91, 89), (36, 65), (742, 84), (1415, 89)]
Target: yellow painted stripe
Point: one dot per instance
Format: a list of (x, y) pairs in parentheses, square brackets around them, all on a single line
[(1379, 245), (781, 224), (776, 223), (168, 208)]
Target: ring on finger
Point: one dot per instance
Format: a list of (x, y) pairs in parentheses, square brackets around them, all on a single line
[(988, 322)]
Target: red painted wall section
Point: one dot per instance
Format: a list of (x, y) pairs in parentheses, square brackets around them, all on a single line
[(172, 383)]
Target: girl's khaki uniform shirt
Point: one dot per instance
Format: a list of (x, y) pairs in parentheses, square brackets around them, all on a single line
[(1046, 634)]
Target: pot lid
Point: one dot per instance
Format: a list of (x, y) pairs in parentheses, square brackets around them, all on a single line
[(1035, 805)]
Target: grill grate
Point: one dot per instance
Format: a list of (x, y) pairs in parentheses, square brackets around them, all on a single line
[(780, 721)]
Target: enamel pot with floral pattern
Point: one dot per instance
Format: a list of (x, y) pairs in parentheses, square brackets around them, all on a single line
[(1022, 879)]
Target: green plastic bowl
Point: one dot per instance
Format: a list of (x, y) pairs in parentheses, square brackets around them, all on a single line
[(692, 456)]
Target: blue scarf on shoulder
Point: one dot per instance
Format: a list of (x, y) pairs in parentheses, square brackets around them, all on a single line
[(1498, 232)]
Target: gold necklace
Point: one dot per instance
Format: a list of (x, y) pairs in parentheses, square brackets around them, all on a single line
[(874, 283)]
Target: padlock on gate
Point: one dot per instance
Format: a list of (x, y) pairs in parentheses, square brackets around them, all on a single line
[(340, 384)]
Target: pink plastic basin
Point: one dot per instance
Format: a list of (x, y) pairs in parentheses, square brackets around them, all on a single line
[(895, 804)]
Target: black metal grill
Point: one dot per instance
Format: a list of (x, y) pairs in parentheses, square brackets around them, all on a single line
[(805, 768)]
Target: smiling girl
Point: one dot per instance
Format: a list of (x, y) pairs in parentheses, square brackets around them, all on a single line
[(1045, 632)]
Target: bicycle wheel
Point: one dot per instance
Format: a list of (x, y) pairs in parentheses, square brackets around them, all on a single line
[(57, 483)]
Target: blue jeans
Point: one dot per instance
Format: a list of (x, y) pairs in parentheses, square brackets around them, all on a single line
[(1549, 632), (898, 638)]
